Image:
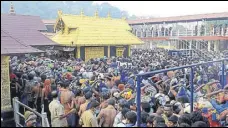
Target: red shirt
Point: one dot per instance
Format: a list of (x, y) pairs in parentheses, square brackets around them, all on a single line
[(12, 76), (212, 123)]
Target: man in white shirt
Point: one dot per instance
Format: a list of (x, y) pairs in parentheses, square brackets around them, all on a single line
[(57, 112)]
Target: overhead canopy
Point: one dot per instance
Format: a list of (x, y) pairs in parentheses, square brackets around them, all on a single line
[(80, 30), (26, 28), (198, 17), (11, 45), (207, 38)]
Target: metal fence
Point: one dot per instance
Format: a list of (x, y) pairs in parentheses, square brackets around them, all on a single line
[(140, 76), (17, 114)]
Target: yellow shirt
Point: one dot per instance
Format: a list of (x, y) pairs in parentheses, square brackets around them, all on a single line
[(88, 119), (165, 118)]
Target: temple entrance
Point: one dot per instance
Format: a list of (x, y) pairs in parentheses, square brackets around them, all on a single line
[(119, 51), (93, 52)]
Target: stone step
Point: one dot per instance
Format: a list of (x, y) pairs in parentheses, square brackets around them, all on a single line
[(8, 123), (7, 114), (7, 118)]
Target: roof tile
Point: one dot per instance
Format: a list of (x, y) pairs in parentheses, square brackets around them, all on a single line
[(26, 28), (10, 45)]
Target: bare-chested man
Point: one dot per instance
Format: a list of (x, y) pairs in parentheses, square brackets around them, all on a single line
[(83, 107), (108, 114), (66, 97)]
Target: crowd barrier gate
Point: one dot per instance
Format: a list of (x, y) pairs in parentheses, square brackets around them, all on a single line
[(139, 80), (17, 114)]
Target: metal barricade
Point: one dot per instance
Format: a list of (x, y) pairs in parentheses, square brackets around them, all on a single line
[(17, 114), (139, 80)]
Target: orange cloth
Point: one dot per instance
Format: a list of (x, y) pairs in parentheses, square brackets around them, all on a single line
[(47, 86)]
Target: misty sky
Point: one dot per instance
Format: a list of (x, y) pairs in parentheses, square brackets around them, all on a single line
[(169, 8)]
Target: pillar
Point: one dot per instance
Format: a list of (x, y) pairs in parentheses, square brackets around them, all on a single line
[(197, 45), (142, 34), (108, 51), (78, 52), (209, 46), (186, 29), (216, 46), (169, 45), (190, 44), (129, 50), (5, 84)]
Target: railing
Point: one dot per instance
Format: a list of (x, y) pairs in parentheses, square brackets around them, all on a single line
[(17, 114), (139, 80), (178, 33)]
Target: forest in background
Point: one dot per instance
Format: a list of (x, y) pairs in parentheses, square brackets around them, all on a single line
[(48, 9)]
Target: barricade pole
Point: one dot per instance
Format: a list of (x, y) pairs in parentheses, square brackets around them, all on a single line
[(192, 87), (15, 110), (44, 121), (223, 73), (138, 101)]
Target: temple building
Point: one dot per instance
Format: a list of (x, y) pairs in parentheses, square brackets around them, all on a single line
[(94, 37), (26, 28)]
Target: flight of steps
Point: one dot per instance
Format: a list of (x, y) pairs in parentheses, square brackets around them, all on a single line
[(8, 118)]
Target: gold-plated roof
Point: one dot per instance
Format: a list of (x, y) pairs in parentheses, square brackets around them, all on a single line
[(89, 31)]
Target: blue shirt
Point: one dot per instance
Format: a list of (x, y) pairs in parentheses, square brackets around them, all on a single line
[(219, 107), (113, 65), (143, 125)]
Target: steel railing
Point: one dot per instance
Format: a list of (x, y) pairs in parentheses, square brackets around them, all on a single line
[(140, 76), (17, 114)]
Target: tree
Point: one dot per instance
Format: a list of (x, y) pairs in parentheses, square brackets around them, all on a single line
[(48, 9)]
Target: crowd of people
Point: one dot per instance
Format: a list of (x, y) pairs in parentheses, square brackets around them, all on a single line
[(102, 91)]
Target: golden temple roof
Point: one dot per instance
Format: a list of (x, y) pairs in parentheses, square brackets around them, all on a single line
[(93, 31)]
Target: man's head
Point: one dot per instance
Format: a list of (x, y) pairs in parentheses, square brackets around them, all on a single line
[(122, 104), (185, 118), (145, 107), (111, 102), (144, 116), (199, 124), (226, 93), (172, 121), (30, 76), (160, 125), (220, 97), (30, 119), (158, 120), (124, 111), (168, 110), (150, 120), (184, 125), (131, 117), (88, 95), (196, 116), (94, 105), (54, 94)]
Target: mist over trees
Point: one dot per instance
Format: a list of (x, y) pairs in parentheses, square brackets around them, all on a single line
[(48, 9)]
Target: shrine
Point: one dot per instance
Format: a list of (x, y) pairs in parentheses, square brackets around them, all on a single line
[(94, 37)]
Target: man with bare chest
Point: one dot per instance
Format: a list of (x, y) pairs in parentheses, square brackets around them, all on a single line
[(83, 107), (108, 114), (66, 97)]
